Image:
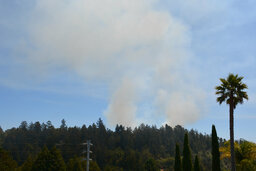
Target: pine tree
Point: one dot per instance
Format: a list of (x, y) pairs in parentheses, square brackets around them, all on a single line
[(58, 163), (63, 125), (177, 165), (215, 151), (196, 164), (42, 162), (186, 161)]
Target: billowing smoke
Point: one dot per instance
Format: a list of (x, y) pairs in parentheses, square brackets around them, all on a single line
[(139, 52), (122, 107)]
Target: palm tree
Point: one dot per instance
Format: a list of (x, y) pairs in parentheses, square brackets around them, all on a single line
[(231, 91)]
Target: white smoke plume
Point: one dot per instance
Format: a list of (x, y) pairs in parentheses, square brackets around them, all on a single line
[(139, 52), (122, 107)]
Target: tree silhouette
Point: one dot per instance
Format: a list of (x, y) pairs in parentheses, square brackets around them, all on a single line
[(231, 91), (197, 165), (123, 148), (186, 161), (177, 165), (215, 151)]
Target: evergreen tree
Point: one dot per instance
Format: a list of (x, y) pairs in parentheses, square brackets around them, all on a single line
[(42, 162), (177, 165), (196, 164), (6, 161), (215, 151), (186, 161), (124, 148), (75, 164), (27, 165), (49, 161), (63, 124), (94, 166), (58, 163)]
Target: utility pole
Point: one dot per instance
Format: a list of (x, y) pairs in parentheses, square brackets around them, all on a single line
[(88, 143)]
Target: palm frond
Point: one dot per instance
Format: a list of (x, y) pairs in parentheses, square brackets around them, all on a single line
[(233, 87)]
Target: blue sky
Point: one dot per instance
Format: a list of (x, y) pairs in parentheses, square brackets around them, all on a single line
[(128, 62)]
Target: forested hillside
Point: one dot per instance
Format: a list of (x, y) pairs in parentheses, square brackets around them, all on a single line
[(122, 148)]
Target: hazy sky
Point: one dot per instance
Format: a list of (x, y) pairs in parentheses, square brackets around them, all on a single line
[(126, 61)]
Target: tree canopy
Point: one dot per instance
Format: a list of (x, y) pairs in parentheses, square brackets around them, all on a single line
[(121, 148)]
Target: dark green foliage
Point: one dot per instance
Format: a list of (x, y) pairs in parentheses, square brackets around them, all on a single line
[(177, 165), (186, 160), (1, 136), (205, 160), (43, 161), (28, 164), (123, 148), (215, 151), (112, 168), (166, 163), (151, 165), (231, 90), (6, 161), (58, 163), (196, 164), (132, 161), (49, 161), (94, 166), (75, 164), (247, 165)]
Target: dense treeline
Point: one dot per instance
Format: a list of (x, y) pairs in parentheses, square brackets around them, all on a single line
[(121, 149)]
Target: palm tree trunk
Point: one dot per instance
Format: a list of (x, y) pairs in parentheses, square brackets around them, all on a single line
[(231, 128)]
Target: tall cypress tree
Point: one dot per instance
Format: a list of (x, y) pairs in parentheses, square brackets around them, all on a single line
[(196, 164), (215, 151), (186, 161), (177, 164)]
